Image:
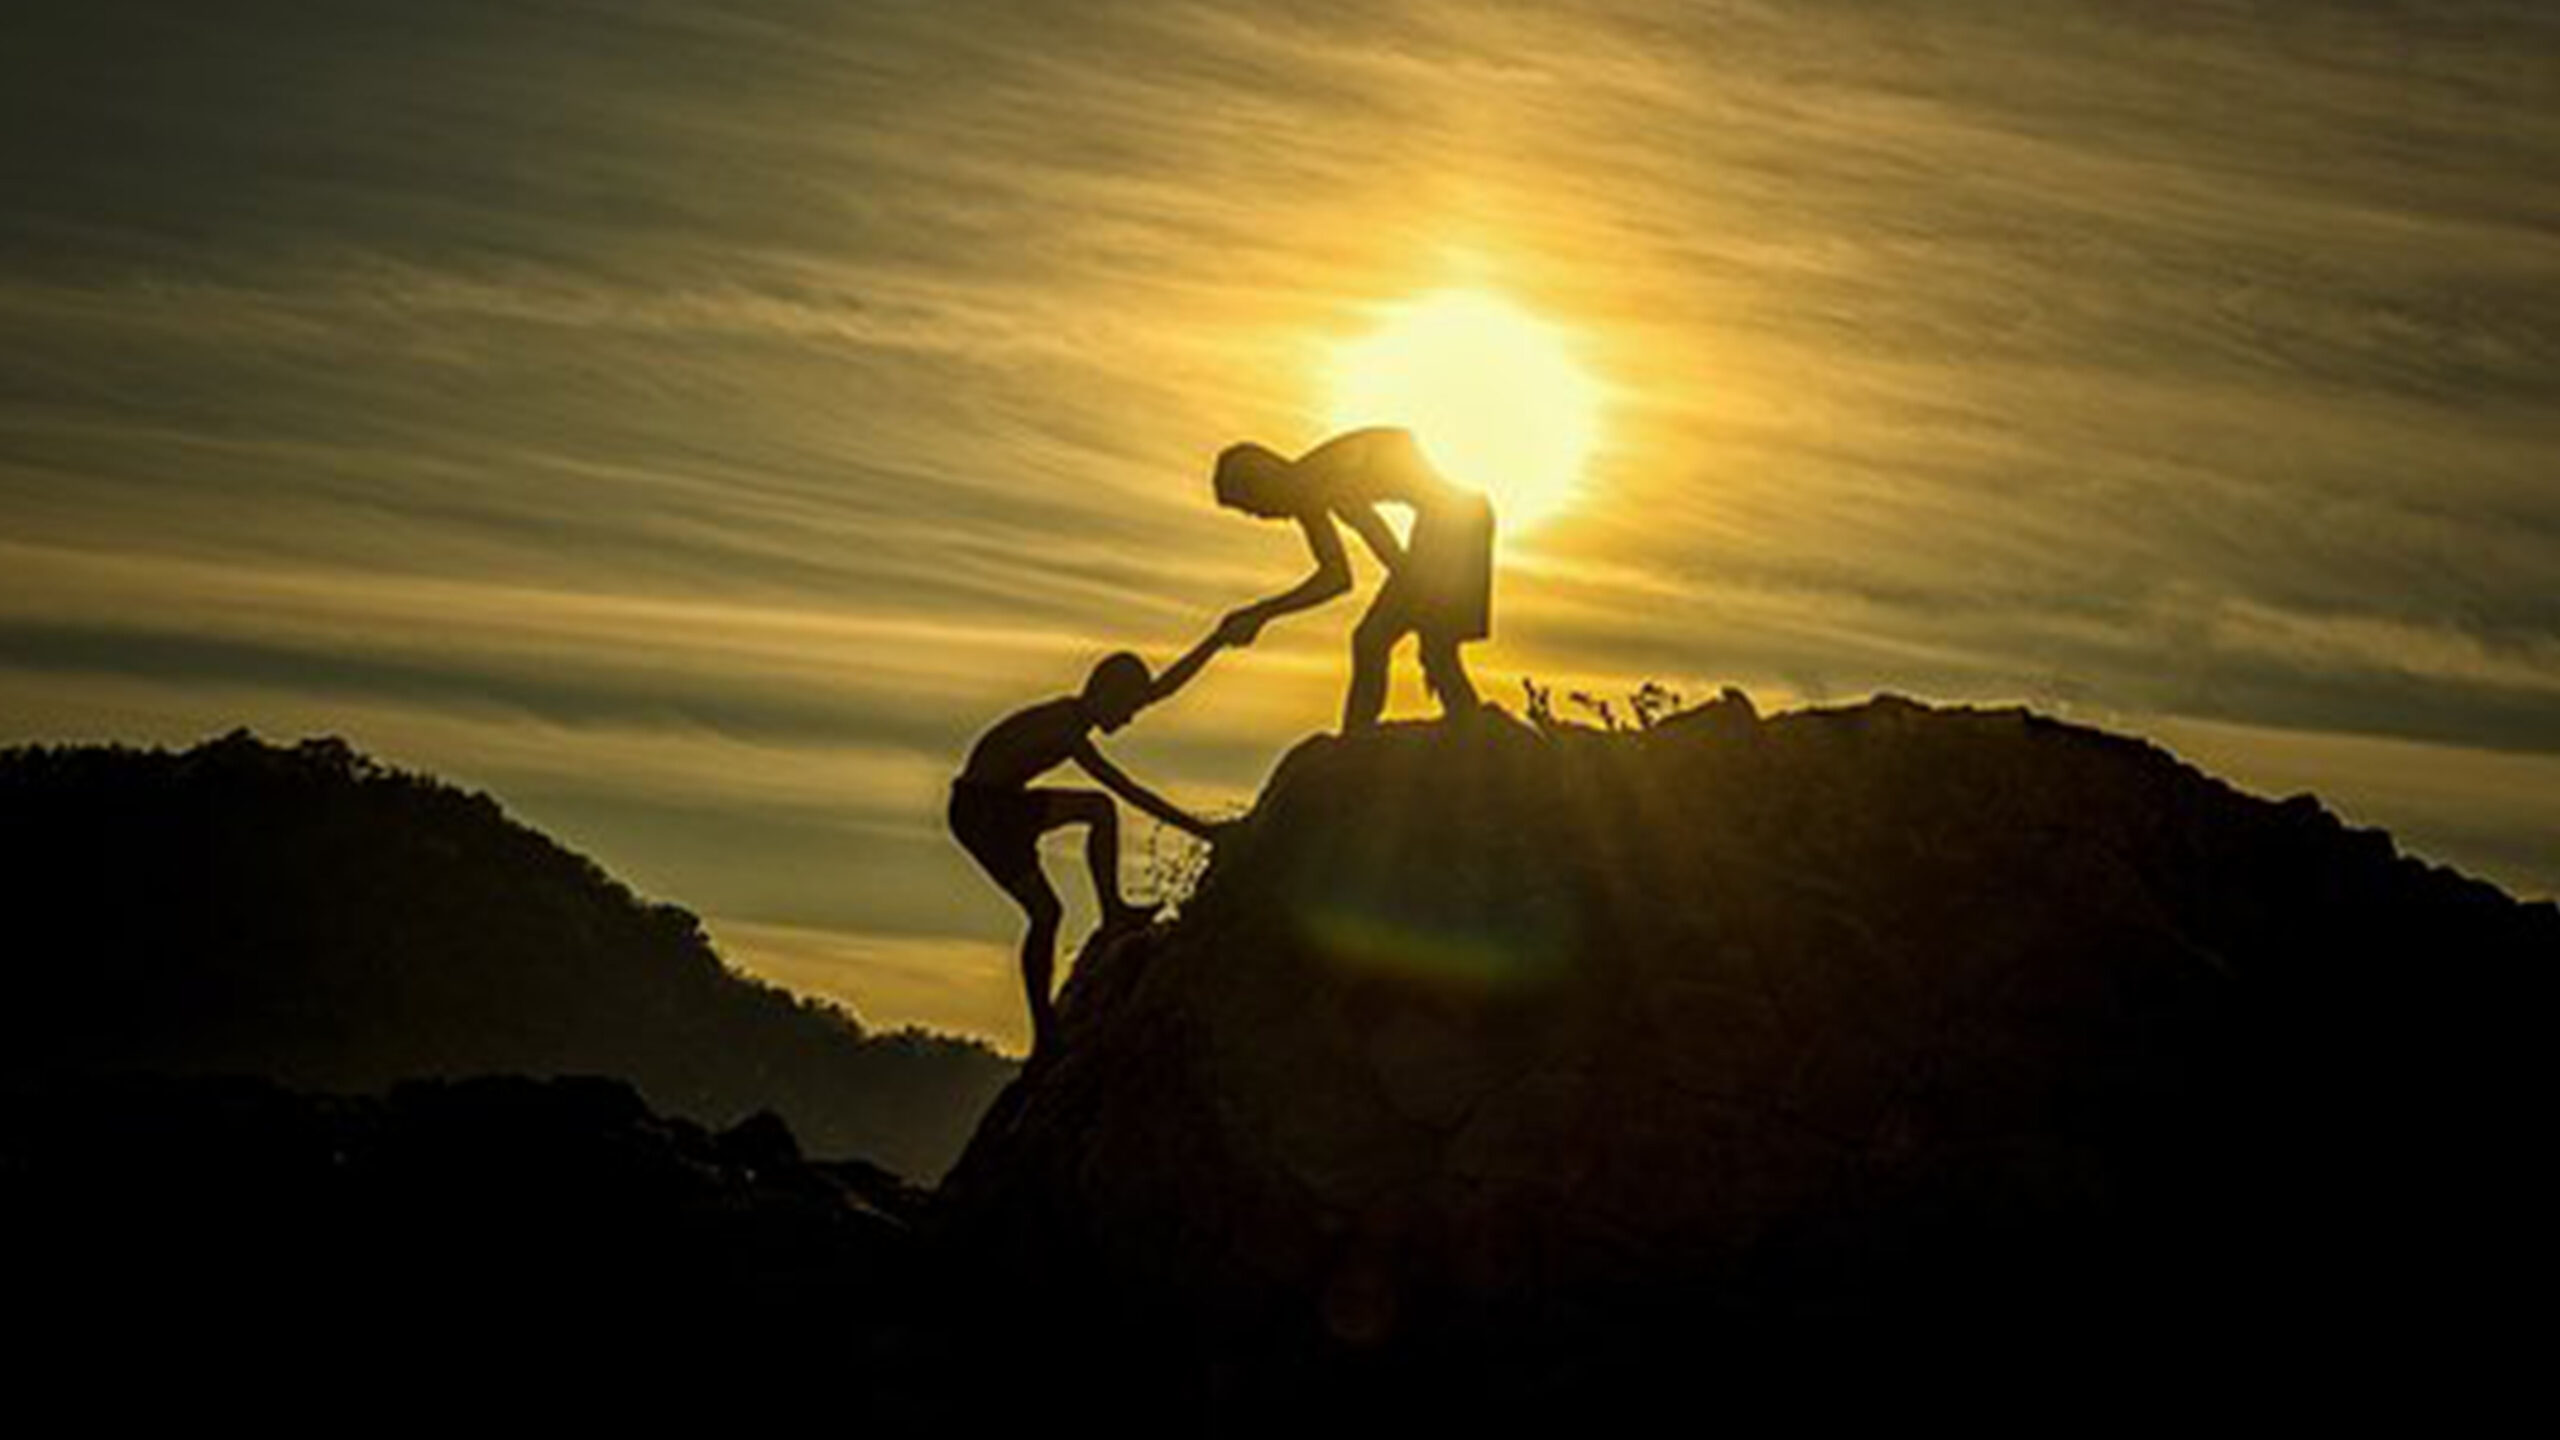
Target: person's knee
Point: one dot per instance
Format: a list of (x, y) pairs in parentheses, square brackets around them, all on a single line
[(1078, 807), (1445, 668), (1375, 635), (1045, 913)]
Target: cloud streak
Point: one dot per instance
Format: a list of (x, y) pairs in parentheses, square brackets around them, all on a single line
[(697, 419)]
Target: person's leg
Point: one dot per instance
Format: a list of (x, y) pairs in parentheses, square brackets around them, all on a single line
[(1373, 643), (1030, 889), (1445, 670), (1000, 829), (1101, 819)]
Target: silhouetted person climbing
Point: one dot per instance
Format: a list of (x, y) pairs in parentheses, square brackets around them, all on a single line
[(1439, 585), (999, 817)]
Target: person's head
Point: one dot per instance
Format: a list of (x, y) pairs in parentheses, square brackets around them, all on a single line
[(1254, 479), (1117, 689)]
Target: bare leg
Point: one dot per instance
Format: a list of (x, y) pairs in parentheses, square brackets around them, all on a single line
[(1446, 671), (1101, 818), (1373, 644), (1030, 889), (1102, 856)]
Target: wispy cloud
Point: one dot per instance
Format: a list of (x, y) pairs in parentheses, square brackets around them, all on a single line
[(695, 420)]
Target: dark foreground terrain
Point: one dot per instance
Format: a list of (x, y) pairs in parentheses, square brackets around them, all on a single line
[(1509, 1078)]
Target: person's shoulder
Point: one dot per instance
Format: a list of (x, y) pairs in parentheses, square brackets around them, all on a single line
[(1366, 464), (1057, 714), (1063, 711), (1377, 435)]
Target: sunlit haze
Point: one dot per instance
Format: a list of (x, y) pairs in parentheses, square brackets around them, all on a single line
[(695, 422), (1493, 393)]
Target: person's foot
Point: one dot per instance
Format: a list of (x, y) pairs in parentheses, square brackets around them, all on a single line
[(1125, 916)]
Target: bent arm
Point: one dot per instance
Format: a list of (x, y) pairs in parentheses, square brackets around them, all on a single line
[(1331, 577), (1117, 781), (1372, 528)]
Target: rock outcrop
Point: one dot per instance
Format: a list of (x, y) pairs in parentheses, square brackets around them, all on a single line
[(1495, 1063)]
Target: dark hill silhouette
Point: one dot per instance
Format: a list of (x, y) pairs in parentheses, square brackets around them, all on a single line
[(1493, 1079), (1491, 1070), (308, 915)]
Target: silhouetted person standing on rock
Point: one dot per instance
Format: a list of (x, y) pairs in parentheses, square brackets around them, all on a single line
[(1439, 584), (998, 816)]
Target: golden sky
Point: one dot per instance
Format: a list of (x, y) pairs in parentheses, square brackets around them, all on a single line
[(693, 422)]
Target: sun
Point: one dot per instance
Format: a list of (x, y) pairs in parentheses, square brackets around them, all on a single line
[(1491, 391)]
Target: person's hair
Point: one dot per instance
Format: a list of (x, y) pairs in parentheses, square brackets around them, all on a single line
[(1118, 673), (1245, 476)]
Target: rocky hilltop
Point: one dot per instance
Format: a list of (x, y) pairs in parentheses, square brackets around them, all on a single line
[(1501, 1064)]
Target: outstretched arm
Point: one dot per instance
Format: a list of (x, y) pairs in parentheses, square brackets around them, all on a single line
[(1331, 577), (1371, 527), (1117, 781), (1179, 673)]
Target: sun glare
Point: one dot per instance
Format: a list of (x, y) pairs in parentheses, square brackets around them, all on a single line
[(1490, 390)]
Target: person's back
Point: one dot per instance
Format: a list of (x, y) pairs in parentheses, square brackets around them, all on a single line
[(1027, 744), (1379, 464)]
